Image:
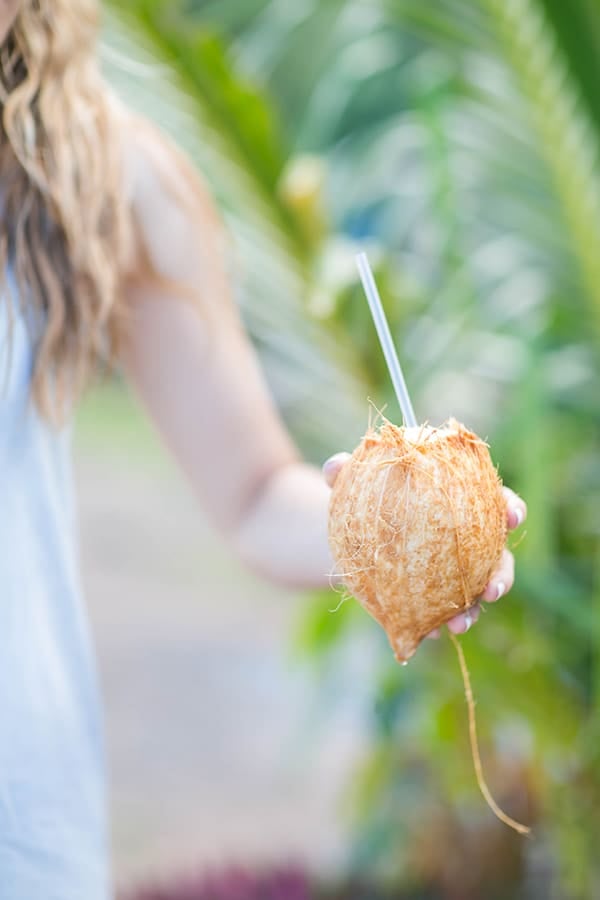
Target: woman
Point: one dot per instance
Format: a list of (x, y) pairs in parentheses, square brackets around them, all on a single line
[(111, 251)]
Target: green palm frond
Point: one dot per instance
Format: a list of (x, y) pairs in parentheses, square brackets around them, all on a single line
[(227, 106), (576, 29), (226, 129), (566, 136)]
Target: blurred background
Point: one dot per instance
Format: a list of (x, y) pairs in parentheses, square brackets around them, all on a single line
[(262, 746)]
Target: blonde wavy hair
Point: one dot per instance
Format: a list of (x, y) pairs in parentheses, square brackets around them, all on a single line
[(67, 225)]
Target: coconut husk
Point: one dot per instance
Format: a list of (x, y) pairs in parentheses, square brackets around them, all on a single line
[(417, 525)]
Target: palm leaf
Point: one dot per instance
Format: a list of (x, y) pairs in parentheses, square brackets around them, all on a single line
[(566, 135), (191, 92), (576, 27)]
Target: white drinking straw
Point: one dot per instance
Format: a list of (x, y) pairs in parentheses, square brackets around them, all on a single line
[(385, 339)]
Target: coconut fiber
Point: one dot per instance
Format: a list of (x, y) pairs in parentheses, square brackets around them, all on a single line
[(417, 526)]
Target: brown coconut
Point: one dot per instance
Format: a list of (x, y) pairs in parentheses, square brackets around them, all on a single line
[(417, 526)]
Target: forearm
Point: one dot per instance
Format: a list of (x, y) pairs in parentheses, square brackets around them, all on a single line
[(283, 534)]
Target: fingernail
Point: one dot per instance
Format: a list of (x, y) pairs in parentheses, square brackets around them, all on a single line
[(518, 515), (500, 589)]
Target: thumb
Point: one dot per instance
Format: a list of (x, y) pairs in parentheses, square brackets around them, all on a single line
[(332, 467)]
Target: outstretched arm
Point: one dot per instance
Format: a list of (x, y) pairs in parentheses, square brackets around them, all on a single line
[(196, 373)]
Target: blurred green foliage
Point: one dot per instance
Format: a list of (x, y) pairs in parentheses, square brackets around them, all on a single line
[(458, 143)]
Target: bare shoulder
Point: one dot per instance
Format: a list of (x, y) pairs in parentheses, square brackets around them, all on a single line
[(172, 207), (155, 165)]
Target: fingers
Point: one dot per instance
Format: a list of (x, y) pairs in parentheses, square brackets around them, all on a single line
[(461, 623), (502, 580), (332, 466), (516, 508)]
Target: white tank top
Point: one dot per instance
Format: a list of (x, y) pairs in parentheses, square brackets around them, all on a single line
[(53, 840)]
